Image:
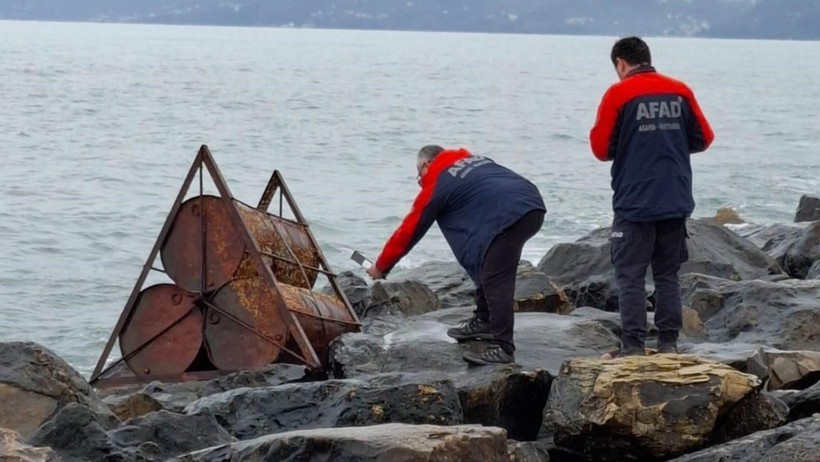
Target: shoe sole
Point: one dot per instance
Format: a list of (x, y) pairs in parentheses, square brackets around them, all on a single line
[(464, 338), (480, 362)]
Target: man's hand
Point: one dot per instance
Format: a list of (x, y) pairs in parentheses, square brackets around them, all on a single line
[(375, 273)]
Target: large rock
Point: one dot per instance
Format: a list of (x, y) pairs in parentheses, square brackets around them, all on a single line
[(78, 433), (175, 396), (161, 435), (534, 292), (250, 413), (409, 298), (447, 279), (808, 209), (378, 443), (779, 369), (35, 384), (796, 442), (795, 247), (802, 403), (504, 396), (584, 268), (14, 449), (781, 314), (131, 406), (641, 408), (756, 412)]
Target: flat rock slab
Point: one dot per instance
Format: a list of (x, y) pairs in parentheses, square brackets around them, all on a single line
[(382, 443), (644, 408)]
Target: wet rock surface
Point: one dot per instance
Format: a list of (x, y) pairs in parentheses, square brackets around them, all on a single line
[(389, 442), (250, 413), (798, 441)]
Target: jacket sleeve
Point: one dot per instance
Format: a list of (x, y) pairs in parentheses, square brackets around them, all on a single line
[(414, 226), (601, 133), (700, 132)]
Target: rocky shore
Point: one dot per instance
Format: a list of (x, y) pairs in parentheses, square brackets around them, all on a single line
[(745, 387)]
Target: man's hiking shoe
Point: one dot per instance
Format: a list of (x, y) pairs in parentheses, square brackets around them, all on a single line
[(493, 354), (472, 329), (669, 347)]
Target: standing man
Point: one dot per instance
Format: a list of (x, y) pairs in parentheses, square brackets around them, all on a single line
[(648, 124), (486, 213)]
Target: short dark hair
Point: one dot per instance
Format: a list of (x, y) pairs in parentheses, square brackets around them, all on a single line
[(633, 50), (430, 152)]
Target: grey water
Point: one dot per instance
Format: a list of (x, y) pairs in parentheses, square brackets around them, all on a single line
[(100, 123)]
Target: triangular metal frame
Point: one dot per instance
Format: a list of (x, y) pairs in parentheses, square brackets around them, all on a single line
[(306, 353)]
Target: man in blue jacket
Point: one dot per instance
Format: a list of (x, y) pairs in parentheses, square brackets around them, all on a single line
[(647, 126), (486, 213)]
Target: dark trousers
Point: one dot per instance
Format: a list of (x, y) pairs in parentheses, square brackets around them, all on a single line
[(635, 246), (496, 289)]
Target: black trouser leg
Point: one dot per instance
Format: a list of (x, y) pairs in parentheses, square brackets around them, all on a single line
[(670, 251), (497, 275), (632, 246), (481, 311)]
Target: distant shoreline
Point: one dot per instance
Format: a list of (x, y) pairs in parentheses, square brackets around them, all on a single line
[(408, 30)]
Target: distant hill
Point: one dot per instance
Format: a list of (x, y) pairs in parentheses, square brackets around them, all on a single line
[(766, 19)]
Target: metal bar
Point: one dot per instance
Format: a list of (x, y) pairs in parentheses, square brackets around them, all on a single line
[(294, 327), (267, 195), (298, 213), (129, 306), (159, 270), (203, 235)]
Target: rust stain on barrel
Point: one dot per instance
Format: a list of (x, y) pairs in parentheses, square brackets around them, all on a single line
[(225, 256), (157, 308)]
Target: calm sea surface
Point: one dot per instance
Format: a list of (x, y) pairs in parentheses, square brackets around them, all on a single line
[(100, 124)]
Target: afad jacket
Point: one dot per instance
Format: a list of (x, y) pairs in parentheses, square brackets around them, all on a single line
[(647, 125), (472, 198)]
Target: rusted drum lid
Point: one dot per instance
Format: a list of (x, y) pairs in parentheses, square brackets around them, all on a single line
[(182, 250), (157, 308), (232, 346)]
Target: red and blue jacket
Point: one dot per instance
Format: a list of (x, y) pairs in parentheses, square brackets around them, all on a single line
[(648, 124), (472, 198)]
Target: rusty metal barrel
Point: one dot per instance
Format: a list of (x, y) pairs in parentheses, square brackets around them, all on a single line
[(163, 335), (245, 329), (283, 243)]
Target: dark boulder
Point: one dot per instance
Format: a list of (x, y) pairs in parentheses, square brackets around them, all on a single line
[(535, 292), (795, 442), (162, 435), (175, 396), (408, 298), (250, 413), (78, 433), (802, 403), (808, 209), (796, 247), (584, 268), (447, 279), (756, 412), (382, 443), (35, 384)]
